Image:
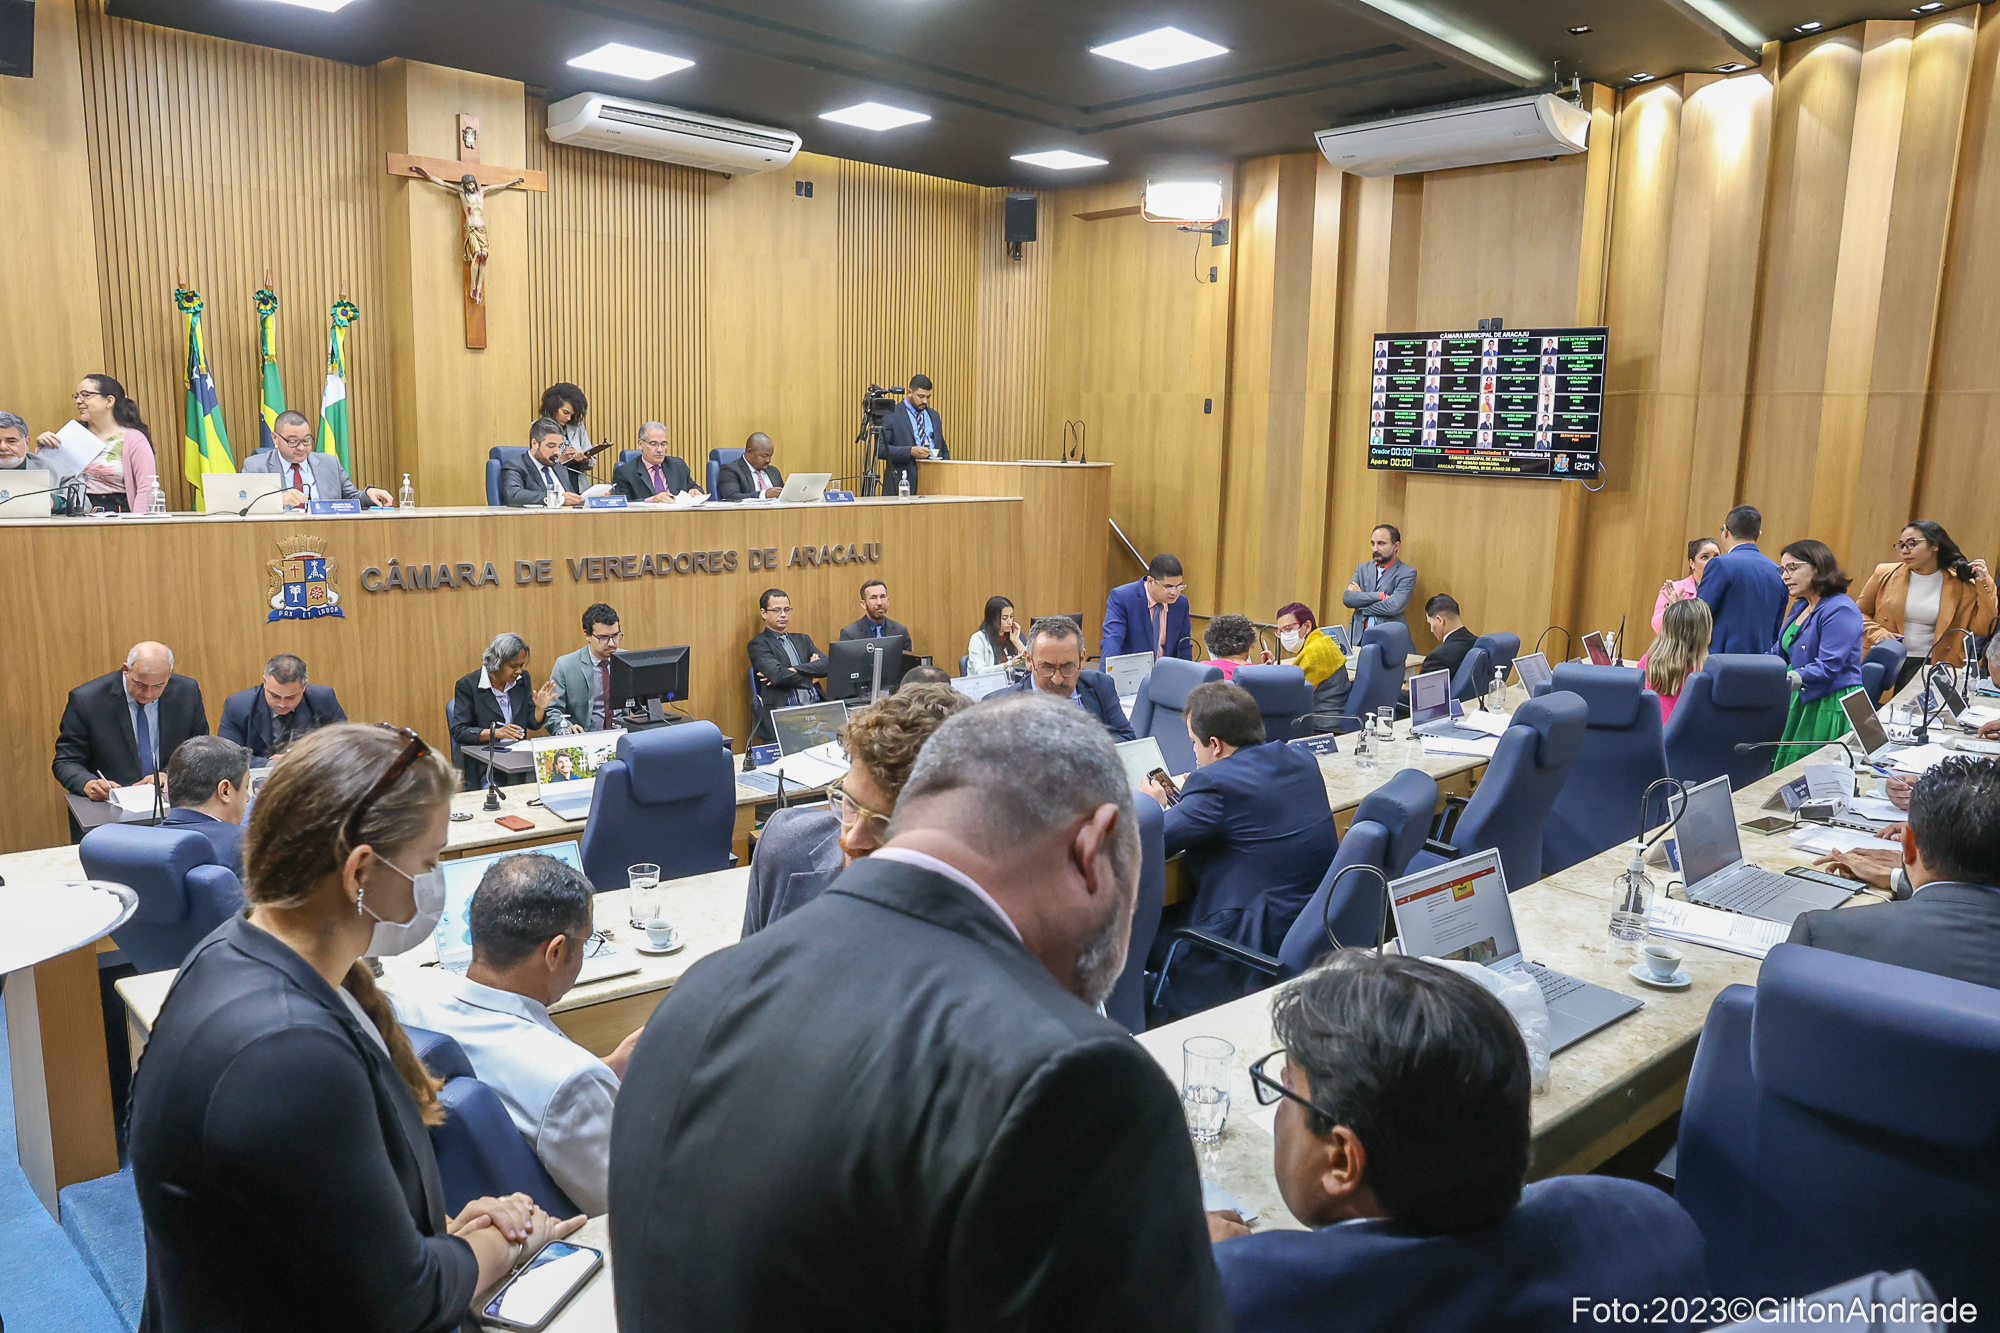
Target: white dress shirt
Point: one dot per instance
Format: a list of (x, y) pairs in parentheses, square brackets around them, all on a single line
[(559, 1095), (506, 703)]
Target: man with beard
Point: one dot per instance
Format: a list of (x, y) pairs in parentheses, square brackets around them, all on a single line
[(897, 1107)]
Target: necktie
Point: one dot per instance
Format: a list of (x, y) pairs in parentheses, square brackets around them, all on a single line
[(1160, 647), (603, 718), (298, 480), (144, 734), (659, 481)]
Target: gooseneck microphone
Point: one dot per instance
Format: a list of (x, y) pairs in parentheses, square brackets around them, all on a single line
[(1568, 638), (1747, 746)]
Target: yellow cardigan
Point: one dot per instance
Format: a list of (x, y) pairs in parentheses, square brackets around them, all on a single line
[(1319, 657)]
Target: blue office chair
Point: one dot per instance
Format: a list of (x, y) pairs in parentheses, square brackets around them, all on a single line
[(964, 664), (1507, 811), (1622, 754), (1874, 679), (183, 892), (716, 458), (1394, 636), (627, 455), (1473, 674), (1838, 1079), (1160, 710), (1734, 698), (1126, 1004), (1283, 697), (451, 730), (494, 457), (479, 1151), (1376, 684), (1405, 805), (668, 797), (1503, 648), (1889, 654)]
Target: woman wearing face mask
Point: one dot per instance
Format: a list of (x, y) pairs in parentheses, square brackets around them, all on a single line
[(278, 1132), (801, 850), (1307, 647)]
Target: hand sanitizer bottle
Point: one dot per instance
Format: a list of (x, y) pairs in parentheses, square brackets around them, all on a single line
[(407, 497)]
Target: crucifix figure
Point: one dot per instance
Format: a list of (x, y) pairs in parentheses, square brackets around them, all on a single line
[(472, 200)]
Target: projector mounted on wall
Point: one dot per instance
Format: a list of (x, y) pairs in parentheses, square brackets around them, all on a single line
[(669, 134), (1540, 125)]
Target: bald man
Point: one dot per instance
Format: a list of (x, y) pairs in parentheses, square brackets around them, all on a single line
[(751, 477), (120, 729)]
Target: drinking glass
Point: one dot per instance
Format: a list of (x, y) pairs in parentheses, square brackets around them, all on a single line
[(644, 881), (1205, 1086)]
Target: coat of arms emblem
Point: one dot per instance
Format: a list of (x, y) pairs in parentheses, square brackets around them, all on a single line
[(302, 586)]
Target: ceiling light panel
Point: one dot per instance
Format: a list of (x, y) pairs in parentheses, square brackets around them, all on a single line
[(874, 116), (1183, 201), (323, 6), (629, 62), (1160, 48), (1059, 159)]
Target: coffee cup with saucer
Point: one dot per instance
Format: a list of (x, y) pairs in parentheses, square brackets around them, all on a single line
[(1660, 967), (661, 936)]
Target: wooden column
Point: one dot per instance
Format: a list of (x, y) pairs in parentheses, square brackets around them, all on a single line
[(62, 1089)]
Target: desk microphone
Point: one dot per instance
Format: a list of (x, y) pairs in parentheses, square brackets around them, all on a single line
[(1747, 746), (46, 490), (1568, 638)]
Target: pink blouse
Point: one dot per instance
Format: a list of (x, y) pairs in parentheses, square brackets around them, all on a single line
[(1686, 586), (1228, 665)]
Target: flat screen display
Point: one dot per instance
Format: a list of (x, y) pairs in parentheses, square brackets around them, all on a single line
[(1501, 403)]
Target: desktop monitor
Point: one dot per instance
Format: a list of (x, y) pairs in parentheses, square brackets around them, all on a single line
[(852, 663), (644, 677)]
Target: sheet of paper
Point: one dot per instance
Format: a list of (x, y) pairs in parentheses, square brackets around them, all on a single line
[(1829, 782), (1493, 724), (76, 448), (1821, 841), (817, 767), (601, 488), (1874, 807), (1978, 715), (1453, 745), (1693, 923), (134, 800), (1919, 758)]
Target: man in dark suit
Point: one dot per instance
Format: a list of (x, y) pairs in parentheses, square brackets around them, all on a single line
[(911, 431), (874, 622), (305, 475), (205, 781), (1149, 615), (265, 718), (655, 476), (1055, 658), (897, 1108), (1454, 639), (1402, 1142), (789, 666), (535, 480), (1743, 588), (1949, 922), (751, 477), (1258, 833), (119, 730)]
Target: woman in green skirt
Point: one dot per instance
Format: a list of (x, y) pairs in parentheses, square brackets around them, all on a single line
[(1821, 638)]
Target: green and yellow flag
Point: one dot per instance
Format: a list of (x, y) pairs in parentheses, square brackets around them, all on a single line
[(333, 405), (267, 351), (205, 441)]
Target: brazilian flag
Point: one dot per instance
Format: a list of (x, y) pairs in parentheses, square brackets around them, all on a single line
[(267, 350), (205, 441), (333, 404)]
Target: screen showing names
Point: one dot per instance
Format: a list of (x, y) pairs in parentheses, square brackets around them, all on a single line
[(1506, 403)]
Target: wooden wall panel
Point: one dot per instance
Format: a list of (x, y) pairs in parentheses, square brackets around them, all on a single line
[(1015, 307)]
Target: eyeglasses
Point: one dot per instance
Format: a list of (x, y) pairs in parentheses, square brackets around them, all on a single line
[(852, 812), (1268, 1089), (1794, 568), (1910, 543), (1058, 671), (1170, 587), (608, 639), (415, 750), (596, 943), (82, 394)]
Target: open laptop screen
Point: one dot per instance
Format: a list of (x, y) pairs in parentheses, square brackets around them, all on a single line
[(1861, 716), (1140, 757), (572, 758), (1706, 836), (1593, 644), (1458, 910), (461, 880), (1128, 671), (1430, 697), (1533, 670), (808, 725)]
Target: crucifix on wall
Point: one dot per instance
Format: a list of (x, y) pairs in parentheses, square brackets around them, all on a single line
[(469, 181)]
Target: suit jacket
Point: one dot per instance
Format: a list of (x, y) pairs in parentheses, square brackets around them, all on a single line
[(899, 436), (1827, 652), (226, 838), (1259, 835), (327, 474), (1128, 624), (1614, 1239), (521, 483), (1951, 929), (96, 734), (246, 717), (578, 680), (262, 1100), (631, 480), (797, 856), (1746, 596), (1961, 605), (1399, 580), (1450, 653), (735, 481), (864, 628), (1098, 694), (767, 659), (961, 1143), (478, 709)]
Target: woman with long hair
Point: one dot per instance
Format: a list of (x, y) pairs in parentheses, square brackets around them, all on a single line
[(998, 641), (1924, 597), (1679, 651), (121, 478), (279, 1114), (1821, 638)]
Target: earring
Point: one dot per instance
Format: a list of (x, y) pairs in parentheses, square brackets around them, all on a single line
[(360, 892)]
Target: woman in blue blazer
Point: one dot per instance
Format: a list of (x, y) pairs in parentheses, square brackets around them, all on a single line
[(1821, 638)]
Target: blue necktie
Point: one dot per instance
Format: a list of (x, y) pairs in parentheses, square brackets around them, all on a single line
[(144, 733)]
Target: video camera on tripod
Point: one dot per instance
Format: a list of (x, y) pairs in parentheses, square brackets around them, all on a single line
[(876, 405)]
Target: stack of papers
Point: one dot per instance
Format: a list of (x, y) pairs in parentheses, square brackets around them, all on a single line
[(136, 800), (1478, 719), (821, 766), (1822, 841), (1454, 745), (1919, 758), (1751, 936)]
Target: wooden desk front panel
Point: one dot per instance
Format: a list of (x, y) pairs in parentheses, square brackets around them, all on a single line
[(83, 591)]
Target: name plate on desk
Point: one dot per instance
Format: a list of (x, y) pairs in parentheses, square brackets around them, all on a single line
[(838, 497), (329, 508), (604, 502), (1319, 745), (760, 755)]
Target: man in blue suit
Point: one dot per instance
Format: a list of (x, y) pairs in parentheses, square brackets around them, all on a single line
[(1149, 616), (1258, 833), (1055, 656), (1402, 1141), (912, 430), (206, 778), (267, 717), (1745, 592)]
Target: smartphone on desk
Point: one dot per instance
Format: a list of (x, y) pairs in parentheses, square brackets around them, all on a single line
[(1166, 782), (531, 1298)]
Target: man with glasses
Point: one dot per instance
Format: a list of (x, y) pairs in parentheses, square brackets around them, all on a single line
[(655, 476), (582, 679), (1401, 1140), (1055, 661), (305, 475), (1149, 616)]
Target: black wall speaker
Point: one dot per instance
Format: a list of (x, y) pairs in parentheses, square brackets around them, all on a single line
[(1020, 217), (17, 38)]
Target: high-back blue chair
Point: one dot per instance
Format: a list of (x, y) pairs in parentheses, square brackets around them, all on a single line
[(1509, 808), (1405, 805), (1622, 754), (1889, 655), (1394, 636), (627, 455), (1474, 671), (716, 458), (1160, 710), (1503, 648), (1874, 678), (184, 893), (1126, 1004), (1283, 697), (494, 457), (1734, 698), (668, 797), (480, 1153), (1836, 1079), (1376, 684)]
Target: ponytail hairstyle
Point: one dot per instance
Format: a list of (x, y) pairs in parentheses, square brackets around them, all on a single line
[(1950, 558), (123, 410), (298, 837)]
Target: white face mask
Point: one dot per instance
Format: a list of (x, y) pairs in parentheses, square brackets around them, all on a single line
[(394, 937), (1291, 639)]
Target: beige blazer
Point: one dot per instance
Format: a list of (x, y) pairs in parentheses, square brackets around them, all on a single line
[(1961, 605)]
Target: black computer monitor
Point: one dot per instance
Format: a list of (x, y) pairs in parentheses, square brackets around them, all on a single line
[(850, 667), (644, 678)]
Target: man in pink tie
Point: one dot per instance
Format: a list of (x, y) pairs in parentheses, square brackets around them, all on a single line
[(305, 476), (655, 476)]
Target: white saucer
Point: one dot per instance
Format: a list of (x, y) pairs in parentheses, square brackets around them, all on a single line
[(1644, 976), (644, 945)]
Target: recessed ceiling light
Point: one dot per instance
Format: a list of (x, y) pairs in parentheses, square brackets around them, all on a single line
[(323, 6), (629, 62), (874, 116), (1160, 48), (1813, 26), (1731, 67), (1580, 29), (1059, 159), (1642, 78), (1925, 9)]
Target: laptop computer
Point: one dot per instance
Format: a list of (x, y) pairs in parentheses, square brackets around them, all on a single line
[(977, 686), (1533, 671), (30, 498), (1593, 644), (566, 767), (798, 729), (454, 928), (1140, 757), (1716, 875), (1127, 671), (1338, 633), (1876, 746), (241, 492), (804, 488), (1431, 708), (1460, 910)]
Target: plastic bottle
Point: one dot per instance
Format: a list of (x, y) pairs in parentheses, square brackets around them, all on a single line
[(903, 485), (407, 497), (157, 502), (1632, 900)]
